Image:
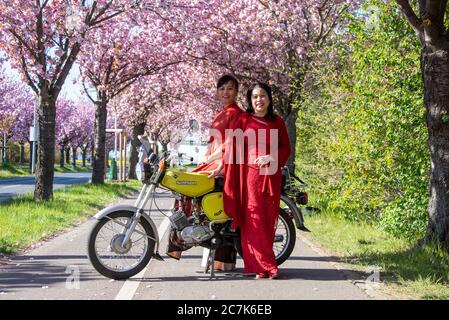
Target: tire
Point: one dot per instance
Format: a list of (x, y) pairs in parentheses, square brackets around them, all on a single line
[(287, 249), (144, 258)]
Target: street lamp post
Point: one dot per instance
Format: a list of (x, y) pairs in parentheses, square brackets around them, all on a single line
[(33, 138)]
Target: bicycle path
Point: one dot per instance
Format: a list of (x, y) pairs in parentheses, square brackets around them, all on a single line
[(59, 269)]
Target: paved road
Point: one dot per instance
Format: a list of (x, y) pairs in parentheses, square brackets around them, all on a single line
[(12, 187), (47, 272)]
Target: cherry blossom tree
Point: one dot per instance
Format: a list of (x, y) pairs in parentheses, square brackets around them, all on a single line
[(84, 137), (16, 111), (273, 41), (165, 103), (118, 54), (42, 40), (21, 128), (64, 127), (74, 128)]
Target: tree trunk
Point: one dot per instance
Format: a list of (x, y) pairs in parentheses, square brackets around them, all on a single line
[(435, 70), (74, 157), (137, 130), (155, 146), (4, 152), (22, 153), (67, 155), (84, 156), (61, 160), (99, 154), (46, 115), (1, 149), (290, 123), (164, 146)]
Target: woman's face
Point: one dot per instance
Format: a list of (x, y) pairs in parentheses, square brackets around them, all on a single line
[(260, 101), (227, 93)]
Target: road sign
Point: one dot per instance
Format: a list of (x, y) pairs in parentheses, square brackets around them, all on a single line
[(32, 134)]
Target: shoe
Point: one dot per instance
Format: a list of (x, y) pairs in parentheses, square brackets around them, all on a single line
[(275, 275), (174, 254), (261, 276), (224, 266)]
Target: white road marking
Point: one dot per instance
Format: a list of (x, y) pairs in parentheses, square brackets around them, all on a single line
[(14, 186), (129, 288)]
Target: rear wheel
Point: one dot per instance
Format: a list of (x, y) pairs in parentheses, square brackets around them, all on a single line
[(284, 239), (106, 252)]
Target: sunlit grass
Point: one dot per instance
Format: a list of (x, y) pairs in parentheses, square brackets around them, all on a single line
[(421, 273), (10, 171), (23, 221)]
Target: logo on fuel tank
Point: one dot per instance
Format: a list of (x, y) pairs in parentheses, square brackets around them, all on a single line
[(187, 182)]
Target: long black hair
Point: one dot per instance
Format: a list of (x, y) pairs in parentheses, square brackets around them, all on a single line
[(270, 112)]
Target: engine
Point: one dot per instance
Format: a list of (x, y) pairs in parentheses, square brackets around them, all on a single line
[(188, 231)]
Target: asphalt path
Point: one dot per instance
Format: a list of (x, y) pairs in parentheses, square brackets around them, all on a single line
[(12, 187), (59, 269)]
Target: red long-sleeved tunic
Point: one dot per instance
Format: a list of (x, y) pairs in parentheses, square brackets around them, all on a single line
[(222, 121), (251, 196)]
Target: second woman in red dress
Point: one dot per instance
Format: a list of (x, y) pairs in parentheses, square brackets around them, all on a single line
[(253, 186), (227, 91)]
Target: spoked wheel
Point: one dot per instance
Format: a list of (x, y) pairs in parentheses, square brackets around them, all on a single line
[(107, 253), (284, 239)]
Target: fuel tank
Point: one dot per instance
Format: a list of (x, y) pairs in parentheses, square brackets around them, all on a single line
[(212, 204), (190, 184)]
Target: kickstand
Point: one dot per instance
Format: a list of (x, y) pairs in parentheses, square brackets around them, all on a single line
[(210, 263)]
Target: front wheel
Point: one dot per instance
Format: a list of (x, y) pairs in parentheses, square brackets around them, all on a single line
[(284, 239), (106, 252)]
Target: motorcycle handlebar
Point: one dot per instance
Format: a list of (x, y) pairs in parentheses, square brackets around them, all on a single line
[(294, 177), (167, 156)]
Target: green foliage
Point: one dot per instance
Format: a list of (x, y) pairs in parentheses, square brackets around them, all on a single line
[(362, 126), (405, 217)]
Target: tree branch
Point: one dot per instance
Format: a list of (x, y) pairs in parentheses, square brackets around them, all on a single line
[(27, 75), (23, 43), (410, 15), (87, 93), (66, 69), (61, 63)]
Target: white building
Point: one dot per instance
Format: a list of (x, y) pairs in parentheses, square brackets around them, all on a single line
[(191, 146)]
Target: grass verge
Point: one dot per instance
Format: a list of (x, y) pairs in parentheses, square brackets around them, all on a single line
[(24, 222), (405, 270), (19, 171), (10, 171)]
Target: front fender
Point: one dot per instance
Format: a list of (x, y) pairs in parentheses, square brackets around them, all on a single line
[(295, 212), (129, 208)]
